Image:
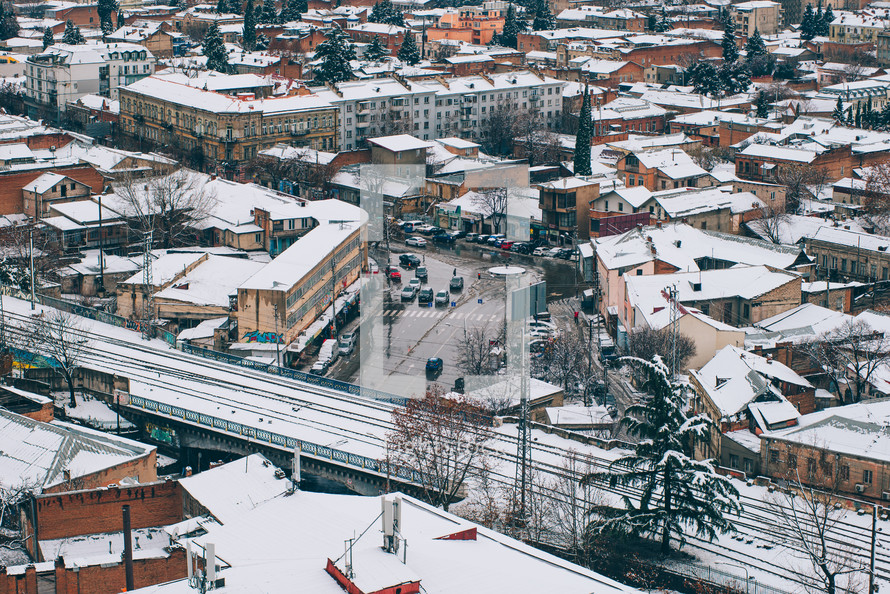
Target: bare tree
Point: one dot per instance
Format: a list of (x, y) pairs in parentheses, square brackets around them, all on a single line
[(475, 348), (170, 206), (646, 343), (876, 196), (853, 72), (11, 497), (572, 500), (801, 182), (504, 122), (443, 439), (487, 506), (811, 523), (708, 157), (563, 361), (851, 353), (492, 203), (15, 254), (396, 121), (59, 336), (771, 224)]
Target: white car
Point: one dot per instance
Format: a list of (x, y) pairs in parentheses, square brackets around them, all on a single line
[(540, 251), (416, 241), (347, 343), (552, 252)]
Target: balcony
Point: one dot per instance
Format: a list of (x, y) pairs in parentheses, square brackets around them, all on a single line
[(362, 124), (363, 108), (299, 131)]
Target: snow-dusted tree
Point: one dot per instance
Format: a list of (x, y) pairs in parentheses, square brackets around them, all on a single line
[(755, 46), (801, 182), (646, 343), (704, 78), (409, 52), (215, 50), (335, 53), (11, 497), (838, 113), (771, 223), (662, 22), (581, 160), (475, 349), (269, 13), (676, 492), (248, 32), (291, 10), (808, 25), (48, 38), (262, 42), (852, 353), (169, 206), (104, 10), (512, 28), (443, 439), (761, 106), (384, 12), (9, 24), (811, 523), (734, 77), (544, 20), (730, 47), (60, 336), (72, 34), (375, 50)]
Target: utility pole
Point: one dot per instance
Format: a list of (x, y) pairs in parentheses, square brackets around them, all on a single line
[(589, 361), (333, 295), (672, 291), (31, 258), (524, 453), (147, 287), (872, 587), (101, 288), (277, 340)]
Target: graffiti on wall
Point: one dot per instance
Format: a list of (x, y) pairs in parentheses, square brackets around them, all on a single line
[(263, 337)]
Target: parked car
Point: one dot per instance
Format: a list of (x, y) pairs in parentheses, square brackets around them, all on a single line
[(426, 229), (497, 242), (416, 242), (458, 234), (506, 244), (434, 365), (425, 296), (482, 238), (553, 252), (456, 284), (409, 293), (439, 231), (409, 260), (421, 273), (347, 343), (442, 298), (471, 237), (540, 251), (493, 238), (393, 273), (443, 238), (414, 282)]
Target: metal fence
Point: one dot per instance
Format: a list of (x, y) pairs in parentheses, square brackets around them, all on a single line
[(721, 576)]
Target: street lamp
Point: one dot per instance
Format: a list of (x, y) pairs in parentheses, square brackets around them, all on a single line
[(743, 568)]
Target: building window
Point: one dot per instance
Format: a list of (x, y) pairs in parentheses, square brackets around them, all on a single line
[(733, 461), (773, 456), (811, 466), (845, 473), (866, 477), (792, 460)]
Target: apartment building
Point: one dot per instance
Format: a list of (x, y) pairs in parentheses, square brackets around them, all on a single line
[(66, 73), (226, 118), (760, 15)]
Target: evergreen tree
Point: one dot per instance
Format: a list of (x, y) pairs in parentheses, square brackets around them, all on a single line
[(808, 23), (48, 38), (9, 24), (262, 42), (850, 120), (677, 491), (755, 46), (583, 137), (885, 116), (663, 23), (409, 52), (270, 15), (182, 4), (838, 113), (704, 78), (734, 77), (858, 120), (827, 18), (335, 52), (544, 20), (215, 50), (222, 7), (730, 49), (104, 10), (121, 21), (375, 50), (762, 105), (817, 19), (512, 28), (292, 10), (868, 115), (384, 12), (72, 34), (248, 33)]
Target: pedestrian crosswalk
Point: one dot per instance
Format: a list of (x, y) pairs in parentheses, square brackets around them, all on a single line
[(422, 312)]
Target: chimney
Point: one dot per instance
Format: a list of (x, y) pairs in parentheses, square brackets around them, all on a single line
[(128, 549)]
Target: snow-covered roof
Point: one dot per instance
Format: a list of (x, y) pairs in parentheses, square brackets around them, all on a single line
[(507, 391), (400, 142), (686, 202), (578, 415), (781, 153), (791, 229), (851, 238), (44, 183), (205, 329), (166, 268), (211, 282), (636, 196)]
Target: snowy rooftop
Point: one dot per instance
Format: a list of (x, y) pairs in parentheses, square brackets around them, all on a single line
[(691, 201), (791, 229), (166, 268), (400, 142), (210, 282), (578, 415)]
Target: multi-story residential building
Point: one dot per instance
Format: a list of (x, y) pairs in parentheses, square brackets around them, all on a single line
[(473, 24), (760, 15), (846, 254), (154, 35), (857, 28), (621, 19), (215, 117), (438, 108), (66, 73), (565, 207)]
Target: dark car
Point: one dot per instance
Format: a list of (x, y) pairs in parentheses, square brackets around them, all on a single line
[(425, 296), (456, 284), (409, 260), (458, 234), (482, 238), (421, 273), (434, 365), (443, 238)]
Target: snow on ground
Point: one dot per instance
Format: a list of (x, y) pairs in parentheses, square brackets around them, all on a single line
[(92, 412)]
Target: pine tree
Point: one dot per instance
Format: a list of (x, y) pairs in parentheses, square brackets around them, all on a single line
[(762, 105), (868, 115), (215, 50), (48, 38), (734, 77), (704, 79), (885, 116), (583, 137), (121, 21), (544, 20), (409, 53), (384, 12), (838, 113), (335, 53), (104, 10), (808, 23), (262, 42), (850, 120), (817, 19), (222, 7), (827, 18), (677, 492), (512, 29), (182, 4), (248, 33), (9, 24), (755, 46), (375, 50), (730, 49), (858, 121), (270, 15), (663, 23), (291, 10), (72, 34)]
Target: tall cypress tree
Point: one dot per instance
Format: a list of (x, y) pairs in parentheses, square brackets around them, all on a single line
[(215, 50), (582, 139), (730, 49), (762, 105), (248, 33), (677, 492), (544, 20), (375, 50), (808, 23), (409, 51), (48, 38), (838, 113), (335, 53), (858, 120)]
